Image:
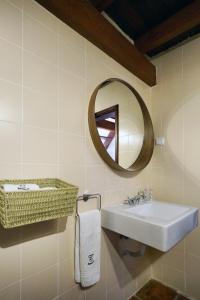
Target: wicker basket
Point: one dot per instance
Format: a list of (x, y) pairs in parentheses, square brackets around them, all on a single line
[(26, 207)]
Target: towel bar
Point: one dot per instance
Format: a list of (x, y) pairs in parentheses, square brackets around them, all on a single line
[(86, 197)]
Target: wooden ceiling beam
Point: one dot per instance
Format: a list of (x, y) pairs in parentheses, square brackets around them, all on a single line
[(105, 124), (101, 5), (86, 20), (181, 22)]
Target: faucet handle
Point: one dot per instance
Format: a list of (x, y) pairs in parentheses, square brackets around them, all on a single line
[(142, 194), (148, 194), (131, 201)]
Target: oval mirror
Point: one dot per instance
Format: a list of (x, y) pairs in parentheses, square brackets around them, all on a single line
[(120, 126)]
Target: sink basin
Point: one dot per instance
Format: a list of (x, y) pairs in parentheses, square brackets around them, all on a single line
[(158, 224)]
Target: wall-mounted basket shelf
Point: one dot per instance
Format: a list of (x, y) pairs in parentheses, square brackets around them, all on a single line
[(27, 207)]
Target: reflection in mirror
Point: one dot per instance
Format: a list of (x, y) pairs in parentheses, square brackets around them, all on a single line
[(119, 121), (107, 125)]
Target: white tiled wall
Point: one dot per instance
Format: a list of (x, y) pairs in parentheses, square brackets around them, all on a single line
[(47, 74), (176, 168)]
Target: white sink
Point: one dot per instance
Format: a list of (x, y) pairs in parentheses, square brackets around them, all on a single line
[(158, 224)]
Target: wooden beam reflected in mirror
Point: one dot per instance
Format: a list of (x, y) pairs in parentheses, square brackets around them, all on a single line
[(107, 122)]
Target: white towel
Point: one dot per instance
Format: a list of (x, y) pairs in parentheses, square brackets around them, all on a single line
[(24, 187), (20, 187), (88, 248)]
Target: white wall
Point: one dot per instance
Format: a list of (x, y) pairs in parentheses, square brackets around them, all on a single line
[(47, 74), (176, 167)]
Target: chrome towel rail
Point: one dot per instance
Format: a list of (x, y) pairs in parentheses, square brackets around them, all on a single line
[(86, 197)]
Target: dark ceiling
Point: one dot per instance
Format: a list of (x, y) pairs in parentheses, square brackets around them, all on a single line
[(137, 17), (153, 25)]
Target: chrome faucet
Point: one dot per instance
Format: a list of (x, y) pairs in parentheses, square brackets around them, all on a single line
[(141, 197)]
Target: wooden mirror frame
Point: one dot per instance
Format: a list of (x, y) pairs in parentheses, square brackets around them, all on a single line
[(148, 141)]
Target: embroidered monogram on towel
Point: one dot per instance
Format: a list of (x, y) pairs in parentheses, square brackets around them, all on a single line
[(90, 259)]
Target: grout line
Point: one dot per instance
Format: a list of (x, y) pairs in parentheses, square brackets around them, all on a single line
[(137, 290), (10, 42), (135, 296), (21, 139), (193, 255), (14, 5), (54, 65), (42, 128), (47, 12), (58, 152), (58, 106), (171, 268), (20, 260), (85, 181), (68, 41), (184, 243), (10, 285), (22, 95), (10, 122), (36, 164), (52, 130), (53, 31), (37, 273), (10, 82), (58, 262), (64, 293), (67, 72), (33, 53)]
